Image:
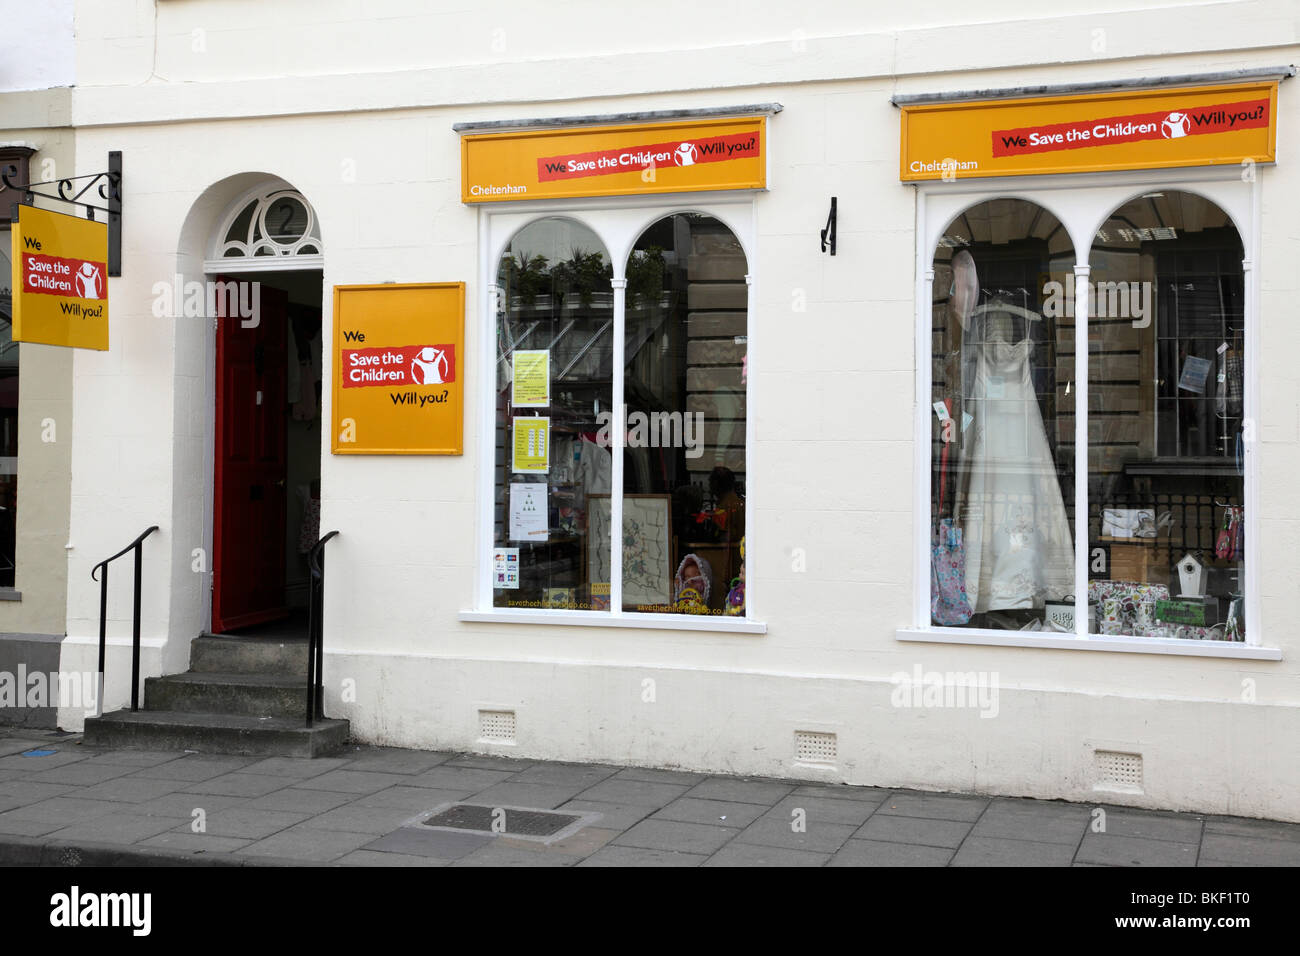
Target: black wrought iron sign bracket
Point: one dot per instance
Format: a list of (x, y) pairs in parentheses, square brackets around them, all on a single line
[(828, 234), (106, 186)]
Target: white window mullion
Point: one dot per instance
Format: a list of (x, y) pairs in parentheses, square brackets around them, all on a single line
[(1081, 273), (618, 436)]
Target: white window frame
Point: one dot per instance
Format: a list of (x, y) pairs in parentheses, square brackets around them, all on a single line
[(618, 223), (1082, 203)]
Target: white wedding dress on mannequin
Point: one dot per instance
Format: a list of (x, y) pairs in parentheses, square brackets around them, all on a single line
[(1018, 546)]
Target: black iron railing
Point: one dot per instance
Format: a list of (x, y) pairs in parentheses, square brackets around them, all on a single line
[(138, 546), (316, 629)]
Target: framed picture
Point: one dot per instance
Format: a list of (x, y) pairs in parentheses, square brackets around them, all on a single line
[(647, 548)]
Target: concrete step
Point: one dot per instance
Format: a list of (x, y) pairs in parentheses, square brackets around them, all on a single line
[(211, 692), (214, 733), (227, 654)]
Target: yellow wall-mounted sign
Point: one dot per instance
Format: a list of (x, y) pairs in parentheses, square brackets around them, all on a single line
[(614, 160), (60, 279), (1149, 129), (399, 369)]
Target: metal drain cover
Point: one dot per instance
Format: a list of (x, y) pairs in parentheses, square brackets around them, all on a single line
[(502, 820)]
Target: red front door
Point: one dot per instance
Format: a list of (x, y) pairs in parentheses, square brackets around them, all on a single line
[(248, 530)]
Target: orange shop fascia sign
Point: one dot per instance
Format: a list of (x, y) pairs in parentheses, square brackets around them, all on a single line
[(1148, 129), (627, 160)]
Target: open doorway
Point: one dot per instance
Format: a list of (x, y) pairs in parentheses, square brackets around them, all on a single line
[(267, 442)]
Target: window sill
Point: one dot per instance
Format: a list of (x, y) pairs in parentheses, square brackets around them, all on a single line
[(661, 622), (1093, 642), (9, 594)]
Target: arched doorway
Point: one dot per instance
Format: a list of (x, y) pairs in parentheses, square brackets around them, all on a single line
[(263, 275)]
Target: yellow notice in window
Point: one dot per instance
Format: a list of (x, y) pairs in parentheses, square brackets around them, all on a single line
[(532, 446), (532, 378)]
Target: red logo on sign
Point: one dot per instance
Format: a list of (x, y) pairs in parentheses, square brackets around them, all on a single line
[(399, 366), (1218, 118), (70, 278), (604, 162)]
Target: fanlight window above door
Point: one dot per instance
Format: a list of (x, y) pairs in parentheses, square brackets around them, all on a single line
[(275, 224)]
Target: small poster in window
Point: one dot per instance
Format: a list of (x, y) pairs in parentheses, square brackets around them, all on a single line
[(505, 568), (531, 378), (532, 446), (528, 512), (1195, 371)]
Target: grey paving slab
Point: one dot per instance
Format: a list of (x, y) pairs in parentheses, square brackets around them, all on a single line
[(922, 831), (21, 791), (1115, 850), (713, 812), (1219, 848), (738, 790), (681, 837), (300, 767), (237, 784), (878, 853), (496, 855), (640, 856), (446, 777), (353, 781), (988, 851), (121, 827), (783, 832), (13, 745), (63, 810), (634, 793), (296, 800), (247, 824), (428, 842), (390, 760), (818, 810), (749, 854), (134, 758), (412, 799), (489, 762), (617, 816), (651, 775), (841, 792), (354, 819), (934, 806), (30, 828), (196, 843), (193, 768), (1040, 823), (1259, 829), (82, 773), (301, 843), (1177, 828), (580, 777), (60, 758), (184, 804), (130, 789), (513, 794), (365, 857), (583, 843)]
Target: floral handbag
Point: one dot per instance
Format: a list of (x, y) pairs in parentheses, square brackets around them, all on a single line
[(948, 602)]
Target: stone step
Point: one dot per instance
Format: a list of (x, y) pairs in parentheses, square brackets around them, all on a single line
[(214, 733), (213, 692), (227, 654)]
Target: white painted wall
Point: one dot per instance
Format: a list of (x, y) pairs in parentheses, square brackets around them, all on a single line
[(831, 390), (36, 45)]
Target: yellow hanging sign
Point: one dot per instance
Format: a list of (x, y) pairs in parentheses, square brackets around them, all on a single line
[(60, 279)]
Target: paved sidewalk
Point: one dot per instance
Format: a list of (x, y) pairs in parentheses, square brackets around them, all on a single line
[(81, 806)]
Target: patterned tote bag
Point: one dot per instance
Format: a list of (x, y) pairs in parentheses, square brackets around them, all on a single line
[(948, 602)]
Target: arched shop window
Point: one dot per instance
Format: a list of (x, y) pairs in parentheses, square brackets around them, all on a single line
[(1166, 490), (684, 387), (1002, 437), (667, 338), (554, 340)]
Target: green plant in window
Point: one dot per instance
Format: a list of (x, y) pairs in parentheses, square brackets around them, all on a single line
[(526, 276), (645, 275), (583, 273)]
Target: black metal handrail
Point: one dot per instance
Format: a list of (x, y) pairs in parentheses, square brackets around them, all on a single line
[(138, 546), (316, 630)]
